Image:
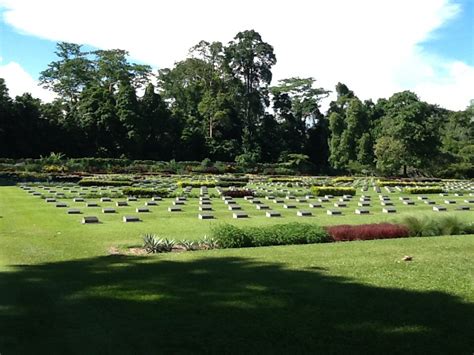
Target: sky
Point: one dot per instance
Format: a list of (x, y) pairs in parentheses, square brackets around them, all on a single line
[(375, 47)]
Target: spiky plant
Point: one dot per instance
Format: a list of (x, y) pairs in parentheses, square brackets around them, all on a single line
[(151, 244), (189, 245), (208, 243)]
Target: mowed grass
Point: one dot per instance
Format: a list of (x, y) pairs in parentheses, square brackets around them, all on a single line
[(62, 293), (62, 237)]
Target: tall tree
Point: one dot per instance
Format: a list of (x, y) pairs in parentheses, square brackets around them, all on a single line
[(251, 60)]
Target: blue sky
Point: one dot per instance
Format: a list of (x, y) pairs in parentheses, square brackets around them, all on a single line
[(455, 39), (426, 46)]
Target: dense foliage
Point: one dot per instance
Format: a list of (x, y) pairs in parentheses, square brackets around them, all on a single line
[(218, 105)]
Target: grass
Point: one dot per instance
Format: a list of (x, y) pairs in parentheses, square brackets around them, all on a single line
[(62, 293)]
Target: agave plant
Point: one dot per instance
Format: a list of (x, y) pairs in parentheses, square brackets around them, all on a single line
[(167, 245), (151, 243), (189, 245), (208, 243)]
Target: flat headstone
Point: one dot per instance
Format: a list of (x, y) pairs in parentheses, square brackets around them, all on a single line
[(205, 216), (142, 210), (439, 208), (278, 200), (121, 203), (422, 198), (386, 203), (238, 215), (404, 198), (73, 211), (315, 205), (151, 203), (91, 204), (408, 202), (205, 208), (340, 204), (225, 198), (289, 206), (50, 200), (304, 214), (334, 212), (449, 202), (272, 214), (132, 199), (429, 202), (328, 196), (129, 219), (156, 198), (78, 199), (363, 204), (36, 193), (458, 194), (389, 210), (463, 208), (90, 219), (205, 203), (290, 197), (344, 199), (234, 207), (262, 207), (108, 210), (61, 205), (301, 200), (255, 202), (179, 203), (362, 211), (468, 201), (247, 198), (270, 197), (105, 199), (230, 202), (443, 194), (323, 199), (174, 209), (181, 198)]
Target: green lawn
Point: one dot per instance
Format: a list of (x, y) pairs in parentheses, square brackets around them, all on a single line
[(61, 292)]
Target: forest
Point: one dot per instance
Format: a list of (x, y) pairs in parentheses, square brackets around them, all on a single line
[(220, 104)]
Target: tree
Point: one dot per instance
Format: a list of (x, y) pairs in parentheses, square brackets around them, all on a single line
[(251, 60), (411, 123), (388, 151), (70, 74)]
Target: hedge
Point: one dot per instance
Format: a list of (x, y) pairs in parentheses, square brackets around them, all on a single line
[(238, 193), (143, 192), (97, 182), (332, 190), (423, 190), (229, 236), (367, 231)]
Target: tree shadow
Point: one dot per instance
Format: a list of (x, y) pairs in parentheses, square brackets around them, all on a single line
[(139, 305)]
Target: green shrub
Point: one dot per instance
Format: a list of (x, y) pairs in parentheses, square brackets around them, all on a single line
[(229, 236), (97, 182), (144, 192), (342, 179), (197, 183), (423, 190), (152, 244), (332, 190), (427, 227)]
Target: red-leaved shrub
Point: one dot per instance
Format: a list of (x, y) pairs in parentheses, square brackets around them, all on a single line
[(367, 231)]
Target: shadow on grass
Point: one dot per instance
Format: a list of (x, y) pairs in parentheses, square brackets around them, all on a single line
[(137, 305)]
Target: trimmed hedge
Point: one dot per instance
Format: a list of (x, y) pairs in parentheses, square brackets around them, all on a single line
[(423, 190), (332, 190), (238, 193), (367, 232), (230, 236), (143, 192), (96, 182), (198, 184), (284, 179), (343, 179)]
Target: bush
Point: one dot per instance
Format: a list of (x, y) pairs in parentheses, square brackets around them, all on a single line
[(332, 190), (238, 193), (427, 227), (367, 232), (284, 179), (197, 183), (229, 236), (143, 192), (97, 182), (423, 190), (342, 179)]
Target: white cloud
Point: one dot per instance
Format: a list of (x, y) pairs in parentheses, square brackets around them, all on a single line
[(371, 45), (19, 81)]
